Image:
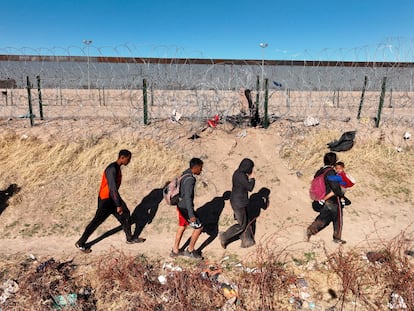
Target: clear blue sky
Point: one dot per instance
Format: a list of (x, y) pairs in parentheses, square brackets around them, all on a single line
[(343, 30)]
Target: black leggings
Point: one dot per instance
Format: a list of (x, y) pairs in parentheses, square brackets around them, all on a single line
[(105, 208)]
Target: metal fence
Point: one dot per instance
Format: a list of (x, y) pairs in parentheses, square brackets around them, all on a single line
[(107, 87)]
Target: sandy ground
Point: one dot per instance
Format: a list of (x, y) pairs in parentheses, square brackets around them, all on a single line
[(282, 226)]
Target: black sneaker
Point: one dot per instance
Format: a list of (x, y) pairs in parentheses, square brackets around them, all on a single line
[(221, 238), (193, 254), (136, 240), (339, 241), (174, 254), (83, 248)]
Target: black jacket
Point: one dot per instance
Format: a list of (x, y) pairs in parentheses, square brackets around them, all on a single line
[(242, 184)]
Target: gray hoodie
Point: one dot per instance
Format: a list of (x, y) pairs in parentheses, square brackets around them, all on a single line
[(187, 193), (242, 184)]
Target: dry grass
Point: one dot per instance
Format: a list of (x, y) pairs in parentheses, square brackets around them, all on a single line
[(59, 177), (345, 280)]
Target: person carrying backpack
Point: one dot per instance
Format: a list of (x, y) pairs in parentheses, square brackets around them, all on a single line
[(185, 208), (330, 207)]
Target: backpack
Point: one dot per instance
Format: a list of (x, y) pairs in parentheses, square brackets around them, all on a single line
[(317, 189), (171, 192)]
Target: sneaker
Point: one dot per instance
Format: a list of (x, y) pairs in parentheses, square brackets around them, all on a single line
[(136, 240), (83, 248), (221, 238), (339, 241), (195, 225), (174, 254), (193, 254), (308, 235)]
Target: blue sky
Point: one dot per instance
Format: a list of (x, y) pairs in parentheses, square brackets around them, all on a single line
[(362, 30)]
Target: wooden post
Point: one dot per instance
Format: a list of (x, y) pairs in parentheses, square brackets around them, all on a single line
[(381, 103), (29, 97), (39, 92), (362, 97)]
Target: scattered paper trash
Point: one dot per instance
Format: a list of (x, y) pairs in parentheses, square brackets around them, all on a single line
[(9, 287), (162, 279), (242, 134), (311, 121), (407, 136), (214, 121), (62, 301), (176, 116), (396, 302)]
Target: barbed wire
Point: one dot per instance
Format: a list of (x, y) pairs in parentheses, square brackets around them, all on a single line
[(82, 82)]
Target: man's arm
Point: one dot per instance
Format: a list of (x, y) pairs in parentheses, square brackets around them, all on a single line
[(113, 190), (187, 195)]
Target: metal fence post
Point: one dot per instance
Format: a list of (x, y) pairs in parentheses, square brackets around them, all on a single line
[(144, 91), (39, 91), (381, 103), (362, 97), (265, 106), (29, 97)]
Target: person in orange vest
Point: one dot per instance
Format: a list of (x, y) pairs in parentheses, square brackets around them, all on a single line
[(110, 203)]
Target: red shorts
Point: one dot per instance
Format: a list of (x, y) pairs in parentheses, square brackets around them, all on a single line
[(182, 222)]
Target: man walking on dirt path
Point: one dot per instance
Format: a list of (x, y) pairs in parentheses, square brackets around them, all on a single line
[(330, 207), (186, 214), (110, 202)]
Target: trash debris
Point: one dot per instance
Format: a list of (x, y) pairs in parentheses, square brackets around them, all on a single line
[(311, 121), (214, 121), (42, 267), (278, 84), (344, 143), (62, 301), (9, 288), (162, 279), (407, 136), (242, 134), (396, 302), (176, 116), (222, 284), (409, 253), (379, 257), (194, 136)]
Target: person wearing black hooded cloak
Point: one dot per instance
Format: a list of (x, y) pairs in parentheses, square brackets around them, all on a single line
[(243, 182)]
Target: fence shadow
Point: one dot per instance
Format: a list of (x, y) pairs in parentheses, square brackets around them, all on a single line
[(142, 215), (6, 194)]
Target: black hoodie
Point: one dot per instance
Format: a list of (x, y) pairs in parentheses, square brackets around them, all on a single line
[(242, 184)]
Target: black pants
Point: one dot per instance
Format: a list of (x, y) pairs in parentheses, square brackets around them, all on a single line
[(330, 212), (233, 233), (105, 208)]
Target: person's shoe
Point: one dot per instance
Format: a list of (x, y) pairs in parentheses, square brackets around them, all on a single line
[(221, 238), (83, 248), (193, 254), (339, 241), (136, 240), (308, 235), (174, 254)]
